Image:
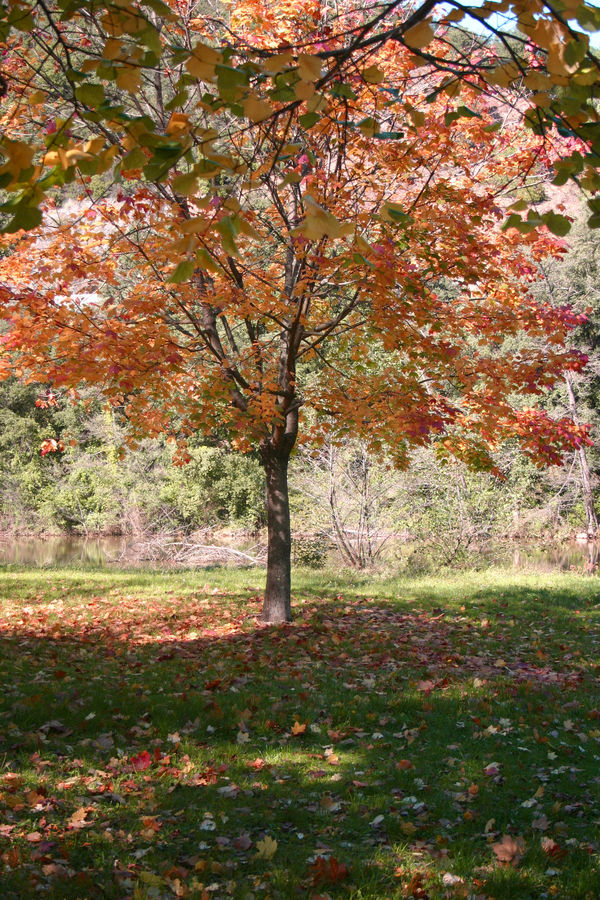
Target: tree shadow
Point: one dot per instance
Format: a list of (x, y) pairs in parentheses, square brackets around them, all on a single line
[(158, 742)]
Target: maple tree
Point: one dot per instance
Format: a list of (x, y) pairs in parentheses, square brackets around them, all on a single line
[(285, 222)]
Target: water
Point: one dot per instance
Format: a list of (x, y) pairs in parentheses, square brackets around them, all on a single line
[(105, 551), (61, 550)]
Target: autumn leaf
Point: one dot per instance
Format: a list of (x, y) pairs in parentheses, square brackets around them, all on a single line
[(79, 819), (420, 35), (509, 849), (142, 761), (298, 728), (267, 848), (242, 842), (328, 871), (552, 849)]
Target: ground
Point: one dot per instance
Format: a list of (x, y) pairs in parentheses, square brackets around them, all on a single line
[(425, 738)]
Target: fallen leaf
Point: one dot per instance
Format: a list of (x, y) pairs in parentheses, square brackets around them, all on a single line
[(509, 849), (267, 848), (242, 842), (328, 870), (79, 818), (142, 761)]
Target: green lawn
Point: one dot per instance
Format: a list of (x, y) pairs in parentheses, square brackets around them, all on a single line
[(411, 738)]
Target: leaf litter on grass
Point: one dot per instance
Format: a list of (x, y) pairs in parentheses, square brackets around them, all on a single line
[(385, 752)]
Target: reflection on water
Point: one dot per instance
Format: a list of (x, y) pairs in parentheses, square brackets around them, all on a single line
[(60, 551), (562, 558), (103, 551)]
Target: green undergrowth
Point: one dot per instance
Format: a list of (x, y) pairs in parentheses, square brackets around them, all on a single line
[(427, 738)]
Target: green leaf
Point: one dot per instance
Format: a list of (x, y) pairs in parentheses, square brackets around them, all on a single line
[(135, 159), (183, 272), (162, 9), (229, 78), (343, 90), (389, 135), (522, 225), (556, 223), (461, 112), (309, 119), (228, 232), (25, 218), (90, 94), (362, 260)]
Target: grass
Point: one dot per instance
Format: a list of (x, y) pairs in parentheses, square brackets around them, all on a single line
[(427, 738)]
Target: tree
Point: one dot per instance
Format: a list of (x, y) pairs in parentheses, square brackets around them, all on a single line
[(304, 275), (574, 280)]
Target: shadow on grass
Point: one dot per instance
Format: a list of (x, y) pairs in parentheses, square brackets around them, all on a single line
[(150, 746)]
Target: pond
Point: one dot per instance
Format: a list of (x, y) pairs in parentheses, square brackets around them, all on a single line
[(60, 550), (67, 550)]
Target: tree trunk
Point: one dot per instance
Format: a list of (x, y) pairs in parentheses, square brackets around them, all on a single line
[(277, 606), (591, 516)]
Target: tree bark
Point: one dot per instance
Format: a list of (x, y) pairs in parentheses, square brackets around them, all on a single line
[(277, 605), (591, 516)]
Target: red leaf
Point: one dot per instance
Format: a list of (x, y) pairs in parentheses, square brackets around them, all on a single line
[(142, 761), (328, 870)]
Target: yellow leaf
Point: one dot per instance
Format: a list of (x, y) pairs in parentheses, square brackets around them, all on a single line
[(94, 145), (177, 123), (309, 67), (20, 156), (276, 64), (151, 878), (113, 49), (407, 828), (298, 728), (455, 16), (249, 230), (36, 97), (129, 79), (318, 223), (304, 90), (316, 103), (503, 75), (202, 62), (557, 64), (420, 35), (363, 245), (417, 117), (267, 848), (205, 261), (257, 110), (537, 80), (186, 185), (373, 75), (75, 154)]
